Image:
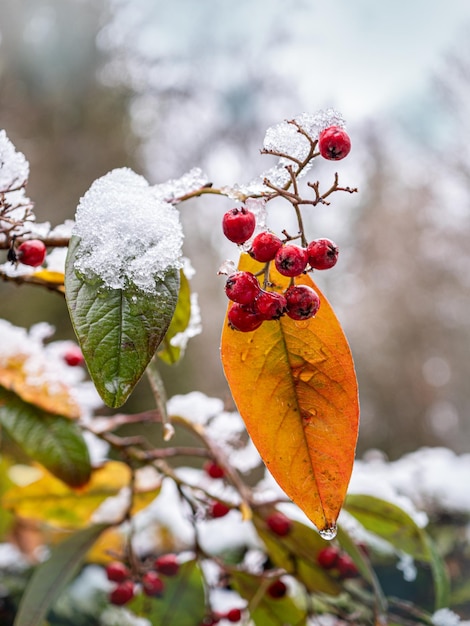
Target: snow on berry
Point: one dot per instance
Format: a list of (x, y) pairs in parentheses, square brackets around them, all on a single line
[(31, 252), (238, 225), (303, 302), (242, 287), (264, 246), (322, 254), (128, 236), (291, 260), (243, 318), (270, 305), (334, 143)]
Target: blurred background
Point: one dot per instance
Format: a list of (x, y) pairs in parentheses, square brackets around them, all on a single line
[(161, 87)]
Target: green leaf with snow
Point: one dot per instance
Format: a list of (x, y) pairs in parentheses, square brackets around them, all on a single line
[(119, 330), (54, 441), (389, 521), (168, 352)]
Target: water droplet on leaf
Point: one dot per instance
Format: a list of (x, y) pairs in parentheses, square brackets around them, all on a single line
[(329, 533)]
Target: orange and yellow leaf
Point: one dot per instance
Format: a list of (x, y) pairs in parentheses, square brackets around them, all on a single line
[(295, 386)]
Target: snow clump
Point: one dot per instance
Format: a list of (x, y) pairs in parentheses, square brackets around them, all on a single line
[(129, 237)]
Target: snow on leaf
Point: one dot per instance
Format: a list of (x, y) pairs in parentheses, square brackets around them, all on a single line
[(127, 235)]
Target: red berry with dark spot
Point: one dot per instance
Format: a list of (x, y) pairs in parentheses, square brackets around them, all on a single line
[(291, 260), (218, 509), (279, 523), (264, 246), (152, 584), (322, 254), (303, 302), (214, 470), (117, 572), (270, 305), (334, 143), (242, 287), (327, 558), (31, 252), (238, 225), (243, 318), (346, 566), (167, 564), (123, 593), (277, 589), (234, 615), (73, 356)]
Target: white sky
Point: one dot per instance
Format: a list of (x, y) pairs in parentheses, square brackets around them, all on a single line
[(367, 54)]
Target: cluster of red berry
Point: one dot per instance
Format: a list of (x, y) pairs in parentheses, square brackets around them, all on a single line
[(151, 581), (252, 304), (332, 558)]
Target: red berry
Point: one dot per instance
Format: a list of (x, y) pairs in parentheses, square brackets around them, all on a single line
[(167, 564), (238, 225), (303, 302), (279, 523), (152, 584), (264, 246), (31, 252), (322, 254), (270, 305), (242, 287), (328, 557), (234, 615), (74, 356), (123, 593), (334, 143), (218, 509), (243, 318), (214, 470), (277, 589), (291, 260), (346, 566), (117, 572)]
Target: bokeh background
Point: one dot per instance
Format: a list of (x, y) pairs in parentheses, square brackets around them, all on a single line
[(89, 85)]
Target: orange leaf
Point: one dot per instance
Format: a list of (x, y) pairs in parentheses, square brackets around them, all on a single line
[(51, 396), (295, 387)]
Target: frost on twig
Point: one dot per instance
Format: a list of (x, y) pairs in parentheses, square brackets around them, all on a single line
[(15, 208), (293, 142), (128, 234)]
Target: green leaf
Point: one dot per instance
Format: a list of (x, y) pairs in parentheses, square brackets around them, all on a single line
[(440, 576), (364, 567), (52, 576), (395, 526), (54, 441), (390, 522), (264, 610), (168, 353), (183, 601), (118, 330), (297, 555)]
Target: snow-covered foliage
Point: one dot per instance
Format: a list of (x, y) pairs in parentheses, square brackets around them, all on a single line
[(128, 235)]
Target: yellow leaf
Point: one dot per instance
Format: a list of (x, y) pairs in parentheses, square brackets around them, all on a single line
[(51, 501), (51, 396), (56, 278), (295, 387)]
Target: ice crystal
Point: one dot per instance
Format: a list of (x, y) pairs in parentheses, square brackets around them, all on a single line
[(176, 188), (287, 141), (128, 234)]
